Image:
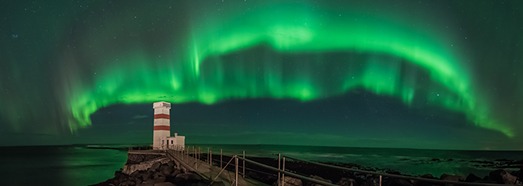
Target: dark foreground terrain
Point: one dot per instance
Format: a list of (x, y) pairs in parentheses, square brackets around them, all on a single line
[(169, 173)]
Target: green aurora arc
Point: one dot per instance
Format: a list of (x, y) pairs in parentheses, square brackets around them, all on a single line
[(193, 70)]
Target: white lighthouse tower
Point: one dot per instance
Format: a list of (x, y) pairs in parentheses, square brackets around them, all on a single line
[(162, 139), (162, 124)]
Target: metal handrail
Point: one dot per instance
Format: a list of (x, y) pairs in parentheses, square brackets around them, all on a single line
[(395, 175), (380, 174), (287, 172), (214, 179), (182, 163)]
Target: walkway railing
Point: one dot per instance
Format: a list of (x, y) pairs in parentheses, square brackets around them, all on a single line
[(281, 171)]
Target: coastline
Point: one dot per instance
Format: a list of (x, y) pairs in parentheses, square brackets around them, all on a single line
[(158, 171), (153, 168)]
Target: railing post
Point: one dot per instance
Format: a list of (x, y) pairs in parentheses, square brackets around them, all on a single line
[(236, 170), (195, 158), (208, 152), (279, 174), (221, 158), (283, 173), (210, 157), (380, 179), (243, 165)]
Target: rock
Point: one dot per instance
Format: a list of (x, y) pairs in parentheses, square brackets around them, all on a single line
[(425, 183), (318, 178), (218, 183), (166, 170), (127, 183), (171, 164), (504, 177), (176, 172), (164, 184), (158, 176), (346, 182), (155, 166), (136, 180), (148, 183), (134, 158), (519, 173), (290, 181), (185, 178), (449, 177), (472, 178), (159, 180), (146, 175), (370, 180), (430, 176), (402, 182)]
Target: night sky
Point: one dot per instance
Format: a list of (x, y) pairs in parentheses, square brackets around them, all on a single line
[(415, 74)]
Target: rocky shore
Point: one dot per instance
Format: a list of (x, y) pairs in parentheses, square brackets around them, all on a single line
[(348, 178), (156, 169)]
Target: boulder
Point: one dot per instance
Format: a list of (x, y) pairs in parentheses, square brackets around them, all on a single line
[(185, 178), (430, 176), (218, 183), (148, 183), (449, 177), (401, 182), (504, 177), (425, 183), (128, 183), (155, 166), (166, 169), (164, 184), (158, 176), (290, 181), (146, 175), (176, 172), (346, 182), (171, 164), (318, 178), (519, 173), (472, 178), (137, 181)]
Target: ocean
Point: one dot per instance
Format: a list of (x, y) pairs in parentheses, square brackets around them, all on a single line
[(59, 165), (85, 165), (414, 162)]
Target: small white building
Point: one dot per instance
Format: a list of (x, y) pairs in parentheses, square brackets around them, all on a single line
[(162, 139), (176, 142)]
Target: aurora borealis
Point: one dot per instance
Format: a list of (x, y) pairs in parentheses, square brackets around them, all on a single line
[(75, 70)]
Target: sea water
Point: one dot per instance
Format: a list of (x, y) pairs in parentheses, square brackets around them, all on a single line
[(85, 165), (58, 165), (415, 162)]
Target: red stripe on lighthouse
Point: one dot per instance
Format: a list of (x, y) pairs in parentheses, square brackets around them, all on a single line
[(162, 116), (162, 127)]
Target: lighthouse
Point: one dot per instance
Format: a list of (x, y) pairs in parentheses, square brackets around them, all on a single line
[(162, 139), (162, 123)]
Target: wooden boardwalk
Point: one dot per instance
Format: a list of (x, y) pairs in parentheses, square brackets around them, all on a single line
[(209, 172)]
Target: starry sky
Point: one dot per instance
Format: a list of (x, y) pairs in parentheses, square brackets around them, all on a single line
[(413, 74)]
